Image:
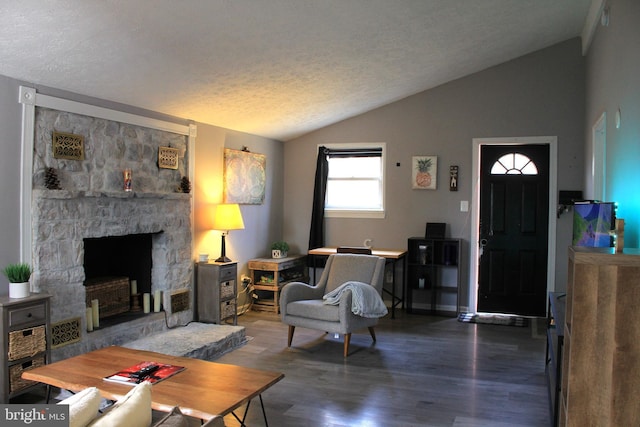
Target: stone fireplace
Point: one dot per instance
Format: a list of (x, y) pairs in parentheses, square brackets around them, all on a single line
[(112, 264), (93, 207)]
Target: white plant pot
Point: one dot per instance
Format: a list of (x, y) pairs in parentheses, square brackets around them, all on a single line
[(277, 253), (19, 290)]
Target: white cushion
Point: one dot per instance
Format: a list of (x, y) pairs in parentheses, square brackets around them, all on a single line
[(133, 410), (83, 406)]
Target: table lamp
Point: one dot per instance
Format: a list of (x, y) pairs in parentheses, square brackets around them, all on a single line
[(227, 217)]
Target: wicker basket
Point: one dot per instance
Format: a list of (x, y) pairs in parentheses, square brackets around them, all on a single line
[(27, 342), (226, 289), (227, 309), (16, 382), (112, 294)]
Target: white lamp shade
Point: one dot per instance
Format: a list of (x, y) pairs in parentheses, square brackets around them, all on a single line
[(227, 217)]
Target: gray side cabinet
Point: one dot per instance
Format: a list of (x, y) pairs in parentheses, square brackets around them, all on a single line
[(216, 296), (26, 341)]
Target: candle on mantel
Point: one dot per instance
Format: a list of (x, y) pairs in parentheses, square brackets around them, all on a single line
[(89, 317), (134, 287), (157, 300), (95, 310), (146, 302)]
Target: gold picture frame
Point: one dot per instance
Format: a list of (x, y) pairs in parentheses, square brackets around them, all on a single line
[(67, 146), (167, 158)]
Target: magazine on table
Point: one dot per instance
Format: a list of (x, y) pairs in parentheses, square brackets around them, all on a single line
[(152, 372)]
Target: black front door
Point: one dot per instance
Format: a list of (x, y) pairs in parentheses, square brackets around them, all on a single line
[(514, 220)]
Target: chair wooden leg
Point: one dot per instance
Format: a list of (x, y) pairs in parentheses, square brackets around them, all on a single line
[(373, 333), (291, 330), (347, 339)]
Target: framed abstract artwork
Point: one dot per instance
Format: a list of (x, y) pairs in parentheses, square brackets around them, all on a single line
[(244, 177), (424, 172)]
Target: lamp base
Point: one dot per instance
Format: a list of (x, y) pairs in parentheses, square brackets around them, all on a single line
[(223, 259)]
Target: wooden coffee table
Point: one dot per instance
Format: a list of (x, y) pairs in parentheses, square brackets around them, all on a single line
[(204, 389)]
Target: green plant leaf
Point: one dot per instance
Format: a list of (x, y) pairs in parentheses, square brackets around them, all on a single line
[(17, 273)]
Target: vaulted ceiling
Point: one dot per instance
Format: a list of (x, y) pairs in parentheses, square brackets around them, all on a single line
[(275, 68)]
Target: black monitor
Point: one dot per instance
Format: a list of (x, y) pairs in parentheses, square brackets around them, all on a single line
[(435, 230)]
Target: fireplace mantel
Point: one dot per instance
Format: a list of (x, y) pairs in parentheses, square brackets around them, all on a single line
[(69, 194)]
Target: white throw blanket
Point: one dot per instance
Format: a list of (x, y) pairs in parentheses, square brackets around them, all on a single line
[(365, 301)]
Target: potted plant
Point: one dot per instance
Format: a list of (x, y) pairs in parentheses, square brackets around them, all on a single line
[(279, 249), (18, 275)]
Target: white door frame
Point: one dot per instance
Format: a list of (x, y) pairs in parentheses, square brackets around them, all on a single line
[(598, 159), (552, 141)]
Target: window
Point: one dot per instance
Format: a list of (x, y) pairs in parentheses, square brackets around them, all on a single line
[(514, 164), (355, 185)]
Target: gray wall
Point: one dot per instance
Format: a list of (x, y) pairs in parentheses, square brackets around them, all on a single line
[(263, 223), (613, 70), (10, 130), (540, 94)]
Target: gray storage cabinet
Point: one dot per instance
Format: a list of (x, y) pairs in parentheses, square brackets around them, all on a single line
[(26, 341), (216, 296)]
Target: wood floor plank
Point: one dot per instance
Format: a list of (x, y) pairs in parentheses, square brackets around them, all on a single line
[(422, 371)]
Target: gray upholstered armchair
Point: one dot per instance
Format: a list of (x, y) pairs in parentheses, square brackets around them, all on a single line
[(302, 304)]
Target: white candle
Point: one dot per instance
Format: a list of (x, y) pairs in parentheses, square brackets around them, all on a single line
[(95, 309), (134, 287), (89, 317), (157, 300), (146, 302)]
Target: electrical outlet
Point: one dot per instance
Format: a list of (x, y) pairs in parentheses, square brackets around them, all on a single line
[(389, 276)]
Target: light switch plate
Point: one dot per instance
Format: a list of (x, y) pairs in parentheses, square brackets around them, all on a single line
[(464, 206)]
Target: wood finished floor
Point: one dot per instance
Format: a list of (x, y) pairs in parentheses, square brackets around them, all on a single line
[(423, 371)]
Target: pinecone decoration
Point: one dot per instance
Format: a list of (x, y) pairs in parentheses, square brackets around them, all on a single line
[(51, 180), (185, 185)]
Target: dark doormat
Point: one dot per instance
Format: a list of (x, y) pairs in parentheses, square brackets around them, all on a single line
[(494, 319)]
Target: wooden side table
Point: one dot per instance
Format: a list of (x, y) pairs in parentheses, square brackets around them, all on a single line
[(271, 274), (26, 341), (216, 292)]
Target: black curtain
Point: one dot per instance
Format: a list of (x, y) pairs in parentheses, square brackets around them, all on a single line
[(316, 234)]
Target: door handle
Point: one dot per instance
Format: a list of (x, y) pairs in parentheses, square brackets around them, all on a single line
[(482, 244)]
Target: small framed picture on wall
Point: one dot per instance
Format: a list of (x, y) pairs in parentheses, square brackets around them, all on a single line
[(424, 172), (453, 178)]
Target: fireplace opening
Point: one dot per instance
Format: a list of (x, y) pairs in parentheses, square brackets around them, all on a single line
[(110, 263)]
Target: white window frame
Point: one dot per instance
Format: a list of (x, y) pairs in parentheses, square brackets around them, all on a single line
[(514, 163), (360, 213)]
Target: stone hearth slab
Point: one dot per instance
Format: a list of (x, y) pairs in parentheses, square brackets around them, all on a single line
[(197, 340)]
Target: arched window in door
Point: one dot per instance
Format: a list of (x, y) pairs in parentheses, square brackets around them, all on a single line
[(514, 164)]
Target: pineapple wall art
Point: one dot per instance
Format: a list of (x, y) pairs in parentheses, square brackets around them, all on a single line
[(424, 172)]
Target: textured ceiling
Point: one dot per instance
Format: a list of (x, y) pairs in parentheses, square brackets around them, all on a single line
[(275, 68)]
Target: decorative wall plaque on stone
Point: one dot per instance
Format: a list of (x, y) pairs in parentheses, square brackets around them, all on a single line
[(167, 158), (68, 146), (65, 332)]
